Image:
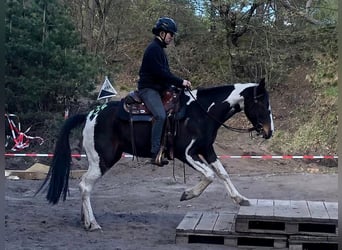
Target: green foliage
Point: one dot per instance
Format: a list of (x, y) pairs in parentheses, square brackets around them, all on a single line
[(326, 11), (317, 124), (313, 136), (46, 66)]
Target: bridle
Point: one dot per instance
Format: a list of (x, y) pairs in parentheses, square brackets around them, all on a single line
[(239, 130)]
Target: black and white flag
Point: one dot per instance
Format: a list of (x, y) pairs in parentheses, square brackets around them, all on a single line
[(107, 90)]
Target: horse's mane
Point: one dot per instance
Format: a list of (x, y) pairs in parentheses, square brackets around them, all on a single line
[(222, 89)]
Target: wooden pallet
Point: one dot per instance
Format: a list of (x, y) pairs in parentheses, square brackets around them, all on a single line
[(218, 228), (208, 222), (304, 242), (288, 217)]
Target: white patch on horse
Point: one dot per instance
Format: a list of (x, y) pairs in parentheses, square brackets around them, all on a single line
[(224, 176), (90, 177), (209, 175), (271, 117), (89, 143), (235, 96), (201, 167), (193, 93)]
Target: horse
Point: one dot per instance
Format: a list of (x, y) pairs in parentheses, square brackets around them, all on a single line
[(106, 137)]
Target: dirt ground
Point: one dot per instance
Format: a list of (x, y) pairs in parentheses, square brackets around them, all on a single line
[(139, 207)]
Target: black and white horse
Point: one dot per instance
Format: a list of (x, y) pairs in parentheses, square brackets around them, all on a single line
[(106, 137)]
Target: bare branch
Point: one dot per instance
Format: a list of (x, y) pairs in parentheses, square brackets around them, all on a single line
[(300, 13)]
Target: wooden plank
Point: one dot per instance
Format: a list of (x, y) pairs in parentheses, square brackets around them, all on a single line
[(281, 209), (281, 203), (299, 209), (261, 241), (243, 241), (264, 208), (317, 210), (37, 175), (264, 211), (258, 207), (253, 202), (246, 212), (265, 203), (27, 175), (189, 222), (225, 223), (206, 223), (332, 209), (38, 167), (301, 242), (312, 239)]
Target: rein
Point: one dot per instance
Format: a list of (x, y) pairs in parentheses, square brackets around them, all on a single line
[(239, 130)]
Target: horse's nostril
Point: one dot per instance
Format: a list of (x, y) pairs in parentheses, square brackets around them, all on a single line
[(267, 134)]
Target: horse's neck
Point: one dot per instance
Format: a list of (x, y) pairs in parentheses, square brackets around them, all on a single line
[(220, 102), (228, 94)]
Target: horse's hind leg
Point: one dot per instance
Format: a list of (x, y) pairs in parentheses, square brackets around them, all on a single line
[(208, 175), (90, 177), (86, 186), (103, 158)]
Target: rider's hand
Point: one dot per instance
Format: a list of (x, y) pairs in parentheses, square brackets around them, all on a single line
[(186, 83)]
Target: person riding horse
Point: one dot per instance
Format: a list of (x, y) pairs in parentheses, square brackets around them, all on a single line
[(155, 77)]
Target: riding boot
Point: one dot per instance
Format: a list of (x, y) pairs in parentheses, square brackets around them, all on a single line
[(158, 159)]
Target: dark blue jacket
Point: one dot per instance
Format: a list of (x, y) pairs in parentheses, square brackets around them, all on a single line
[(154, 71)]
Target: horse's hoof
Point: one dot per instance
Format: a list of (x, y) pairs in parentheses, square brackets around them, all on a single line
[(95, 228), (92, 227), (186, 196), (183, 197), (242, 201), (245, 202)]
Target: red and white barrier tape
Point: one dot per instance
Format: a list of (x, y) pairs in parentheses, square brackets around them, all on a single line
[(279, 157), (221, 157)]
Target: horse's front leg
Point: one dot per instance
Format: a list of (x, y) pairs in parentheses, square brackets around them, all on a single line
[(211, 157), (224, 176)]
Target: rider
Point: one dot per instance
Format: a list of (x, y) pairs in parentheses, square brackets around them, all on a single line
[(155, 77)]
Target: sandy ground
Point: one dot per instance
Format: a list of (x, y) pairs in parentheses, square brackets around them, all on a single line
[(138, 205)]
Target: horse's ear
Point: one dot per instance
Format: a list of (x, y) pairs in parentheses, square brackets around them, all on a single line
[(262, 83)]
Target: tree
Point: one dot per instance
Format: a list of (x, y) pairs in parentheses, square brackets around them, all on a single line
[(46, 65)]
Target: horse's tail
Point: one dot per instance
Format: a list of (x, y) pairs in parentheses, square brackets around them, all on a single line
[(60, 166)]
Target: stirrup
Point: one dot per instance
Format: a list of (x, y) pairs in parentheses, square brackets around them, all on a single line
[(159, 160)]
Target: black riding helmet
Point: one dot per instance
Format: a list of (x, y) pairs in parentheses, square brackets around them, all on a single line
[(165, 24)]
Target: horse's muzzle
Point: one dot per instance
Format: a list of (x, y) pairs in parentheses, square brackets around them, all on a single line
[(264, 130)]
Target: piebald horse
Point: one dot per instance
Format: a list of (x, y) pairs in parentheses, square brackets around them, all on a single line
[(106, 137)]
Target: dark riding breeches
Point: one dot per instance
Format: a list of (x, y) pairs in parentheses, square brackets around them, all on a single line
[(153, 102)]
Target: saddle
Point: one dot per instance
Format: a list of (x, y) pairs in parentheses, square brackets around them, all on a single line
[(134, 105), (137, 111)]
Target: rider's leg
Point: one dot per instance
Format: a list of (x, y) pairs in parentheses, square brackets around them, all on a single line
[(154, 103)]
